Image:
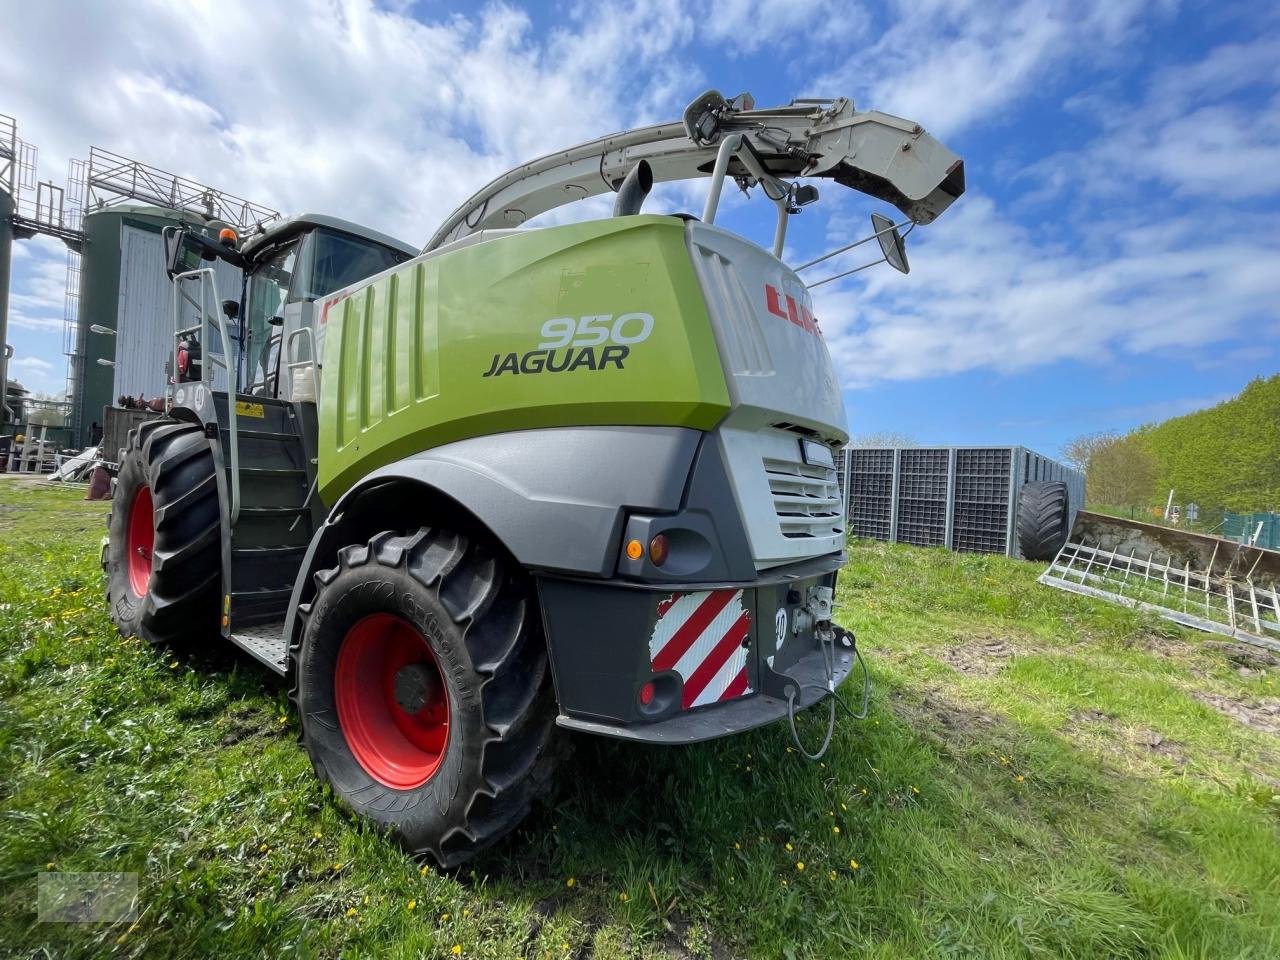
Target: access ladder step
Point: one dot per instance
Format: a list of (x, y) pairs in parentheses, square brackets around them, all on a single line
[(266, 644), (243, 434), (273, 472), (274, 511), (284, 550)]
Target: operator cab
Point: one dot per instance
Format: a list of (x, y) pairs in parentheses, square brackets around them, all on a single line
[(287, 268)]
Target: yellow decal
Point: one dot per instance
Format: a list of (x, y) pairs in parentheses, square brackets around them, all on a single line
[(246, 409)]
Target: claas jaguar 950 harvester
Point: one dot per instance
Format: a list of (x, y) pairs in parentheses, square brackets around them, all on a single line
[(525, 480)]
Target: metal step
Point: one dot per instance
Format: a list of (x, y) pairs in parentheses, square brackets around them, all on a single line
[(273, 472), (252, 553), (266, 644), (262, 605), (272, 511), (260, 434)]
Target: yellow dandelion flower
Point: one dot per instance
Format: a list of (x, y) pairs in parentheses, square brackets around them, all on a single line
[(832, 874), (864, 791), (263, 849), (623, 897), (457, 950), (570, 882), (283, 719), (424, 870), (444, 918), (319, 835), (1020, 778), (337, 867), (466, 913), (737, 846), (790, 847), (915, 790), (853, 864), (412, 905), (835, 829), (351, 911), (800, 865)]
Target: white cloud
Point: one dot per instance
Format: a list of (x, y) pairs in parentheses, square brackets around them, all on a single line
[(342, 108), (983, 293), (953, 64), (31, 364)]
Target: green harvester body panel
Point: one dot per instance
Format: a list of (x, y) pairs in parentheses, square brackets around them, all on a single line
[(540, 329)]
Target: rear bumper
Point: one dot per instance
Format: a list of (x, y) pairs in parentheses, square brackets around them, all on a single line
[(664, 663), (724, 719)]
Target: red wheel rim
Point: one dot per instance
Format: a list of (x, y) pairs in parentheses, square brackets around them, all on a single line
[(140, 541), (383, 662)]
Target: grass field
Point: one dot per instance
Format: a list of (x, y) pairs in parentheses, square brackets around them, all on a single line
[(1040, 776)]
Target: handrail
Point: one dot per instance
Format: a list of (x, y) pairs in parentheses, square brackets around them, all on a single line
[(209, 282), (731, 146), (290, 364)]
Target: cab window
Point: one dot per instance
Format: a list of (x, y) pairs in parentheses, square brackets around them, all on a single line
[(268, 291), (339, 259)]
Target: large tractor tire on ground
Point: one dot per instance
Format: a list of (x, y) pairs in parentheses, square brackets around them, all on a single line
[(1043, 512), (163, 554), (422, 682)]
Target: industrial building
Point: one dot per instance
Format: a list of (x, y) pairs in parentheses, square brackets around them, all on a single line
[(118, 315)]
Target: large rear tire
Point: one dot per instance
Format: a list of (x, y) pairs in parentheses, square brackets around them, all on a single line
[(1043, 511), (423, 688), (163, 550)]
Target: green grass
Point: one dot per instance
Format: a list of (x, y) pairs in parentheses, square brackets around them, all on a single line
[(1037, 779)]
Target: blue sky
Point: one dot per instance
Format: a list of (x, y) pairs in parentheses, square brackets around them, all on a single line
[(1116, 259)]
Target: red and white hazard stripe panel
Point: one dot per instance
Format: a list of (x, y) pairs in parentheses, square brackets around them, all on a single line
[(700, 636)]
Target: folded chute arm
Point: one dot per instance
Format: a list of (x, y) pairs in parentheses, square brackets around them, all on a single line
[(883, 156)]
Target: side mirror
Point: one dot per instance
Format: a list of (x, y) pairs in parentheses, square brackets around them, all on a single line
[(276, 321), (804, 194), (231, 308), (892, 245), (183, 251)]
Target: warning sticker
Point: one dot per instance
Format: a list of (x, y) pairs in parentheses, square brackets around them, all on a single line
[(246, 409)]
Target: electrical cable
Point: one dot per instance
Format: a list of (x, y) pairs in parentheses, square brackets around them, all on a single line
[(828, 662)]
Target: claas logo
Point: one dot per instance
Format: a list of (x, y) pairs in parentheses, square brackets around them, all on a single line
[(797, 313)]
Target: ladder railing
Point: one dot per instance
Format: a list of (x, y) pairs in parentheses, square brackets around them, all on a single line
[(292, 362), (208, 321)]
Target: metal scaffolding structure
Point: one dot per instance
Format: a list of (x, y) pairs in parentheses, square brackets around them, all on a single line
[(106, 179), (113, 179)]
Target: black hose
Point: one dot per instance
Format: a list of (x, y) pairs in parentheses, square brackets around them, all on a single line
[(828, 661), (635, 187)]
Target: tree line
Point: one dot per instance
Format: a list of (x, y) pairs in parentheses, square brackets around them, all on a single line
[(1226, 456)]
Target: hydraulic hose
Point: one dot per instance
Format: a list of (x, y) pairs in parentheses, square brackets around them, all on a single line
[(828, 662)]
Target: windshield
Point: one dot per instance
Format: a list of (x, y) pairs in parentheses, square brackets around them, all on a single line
[(268, 290), (339, 260)]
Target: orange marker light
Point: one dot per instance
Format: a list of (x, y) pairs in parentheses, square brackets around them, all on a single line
[(228, 236), (658, 550), (635, 549)]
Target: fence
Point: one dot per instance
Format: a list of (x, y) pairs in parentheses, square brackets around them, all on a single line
[(961, 498), (1256, 529)]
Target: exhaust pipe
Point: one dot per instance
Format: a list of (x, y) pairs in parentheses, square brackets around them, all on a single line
[(635, 187)]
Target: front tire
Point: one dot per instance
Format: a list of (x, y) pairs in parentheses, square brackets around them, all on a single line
[(422, 684), (163, 560)]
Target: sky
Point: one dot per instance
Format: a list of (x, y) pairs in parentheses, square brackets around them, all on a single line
[(1114, 261)]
